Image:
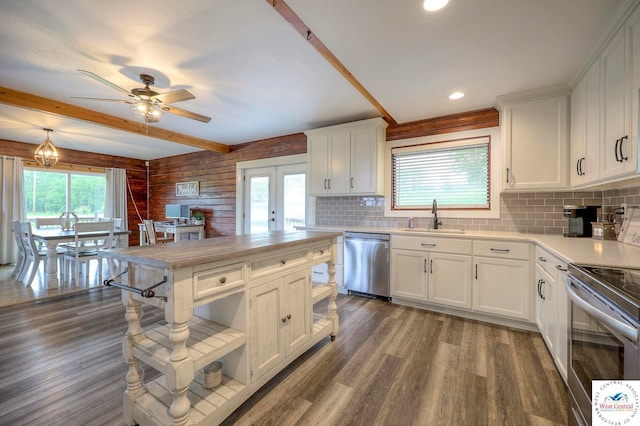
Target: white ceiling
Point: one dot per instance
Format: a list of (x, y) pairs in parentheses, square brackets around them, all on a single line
[(258, 78)]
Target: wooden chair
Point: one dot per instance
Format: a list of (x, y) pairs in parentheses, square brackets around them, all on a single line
[(152, 238), (87, 248), (33, 254), (47, 222), (21, 260)]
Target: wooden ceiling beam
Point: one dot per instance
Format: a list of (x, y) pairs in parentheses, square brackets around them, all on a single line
[(38, 103), (298, 24)]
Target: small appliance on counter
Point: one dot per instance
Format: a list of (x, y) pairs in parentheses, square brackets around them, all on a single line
[(580, 218), (603, 231)]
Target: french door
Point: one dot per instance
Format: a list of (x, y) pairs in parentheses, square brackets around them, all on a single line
[(274, 198)]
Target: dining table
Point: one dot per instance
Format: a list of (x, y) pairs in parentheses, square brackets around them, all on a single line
[(51, 237)]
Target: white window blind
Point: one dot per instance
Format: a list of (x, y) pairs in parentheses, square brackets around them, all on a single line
[(454, 174)]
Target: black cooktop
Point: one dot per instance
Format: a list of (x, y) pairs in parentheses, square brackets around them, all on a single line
[(620, 285)]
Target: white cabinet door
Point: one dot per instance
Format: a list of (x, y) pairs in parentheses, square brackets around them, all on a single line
[(584, 167), (267, 339), (633, 51), (365, 155), (612, 63), (450, 279), (317, 164), (297, 311), (536, 141), (339, 162), (546, 313), (409, 275), (501, 286)]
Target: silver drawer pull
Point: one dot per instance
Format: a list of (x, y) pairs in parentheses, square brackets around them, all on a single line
[(321, 251), (500, 250), (223, 280), (283, 261), (560, 268), (542, 259), (319, 273), (428, 245)]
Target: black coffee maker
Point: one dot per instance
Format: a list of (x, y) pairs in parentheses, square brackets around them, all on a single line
[(580, 218)]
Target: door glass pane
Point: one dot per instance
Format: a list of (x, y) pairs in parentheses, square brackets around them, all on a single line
[(45, 193), (294, 200), (259, 208), (87, 196)]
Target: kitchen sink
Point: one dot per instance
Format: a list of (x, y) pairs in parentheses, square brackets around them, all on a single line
[(435, 231)]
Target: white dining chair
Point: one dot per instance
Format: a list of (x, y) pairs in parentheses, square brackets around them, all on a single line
[(21, 259), (87, 248), (33, 254), (47, 222), (152, 237)]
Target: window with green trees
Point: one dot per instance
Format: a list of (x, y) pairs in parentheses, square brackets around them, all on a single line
[(51, 193)]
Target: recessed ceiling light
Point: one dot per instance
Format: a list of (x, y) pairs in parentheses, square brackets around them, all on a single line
[(456, 95), (434, 5)]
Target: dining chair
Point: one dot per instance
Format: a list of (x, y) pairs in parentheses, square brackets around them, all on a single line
[(33, 254), (21, 258), (87, 247), (152, 238), (47, 222)]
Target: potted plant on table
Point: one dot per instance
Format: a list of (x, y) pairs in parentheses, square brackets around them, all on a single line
[(197, 217)]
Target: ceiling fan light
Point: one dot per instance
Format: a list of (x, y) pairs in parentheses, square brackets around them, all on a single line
[(46, 153), (147, 110), (434, 5)]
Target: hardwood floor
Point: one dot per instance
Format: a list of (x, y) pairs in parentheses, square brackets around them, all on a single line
[(13, 292), (61, 363)]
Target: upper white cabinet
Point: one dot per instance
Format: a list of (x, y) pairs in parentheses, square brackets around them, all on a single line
[(535, 138), (604, 106), (347, 159), (584, 167)]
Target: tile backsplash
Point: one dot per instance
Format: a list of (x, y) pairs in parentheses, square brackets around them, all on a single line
[(526, 212)]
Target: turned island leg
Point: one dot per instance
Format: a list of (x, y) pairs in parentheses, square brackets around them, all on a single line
[(180, 373), (135, 374)]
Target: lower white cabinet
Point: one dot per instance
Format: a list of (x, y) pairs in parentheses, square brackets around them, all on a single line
[(552, 307), (420, 274), (501, 278), (280, 320)]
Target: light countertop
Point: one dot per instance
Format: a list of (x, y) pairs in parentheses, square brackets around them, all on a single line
[(572, 250)]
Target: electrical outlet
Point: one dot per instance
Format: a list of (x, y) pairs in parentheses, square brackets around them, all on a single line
[(623, 206)]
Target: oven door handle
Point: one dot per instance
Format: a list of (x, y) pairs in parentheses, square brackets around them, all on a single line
[(627, 331)]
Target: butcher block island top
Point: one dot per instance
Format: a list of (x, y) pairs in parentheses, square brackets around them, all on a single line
[(196, 252), (246, 302)]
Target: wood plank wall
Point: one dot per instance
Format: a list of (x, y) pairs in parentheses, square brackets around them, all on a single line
[(216, 172), (136, 174)]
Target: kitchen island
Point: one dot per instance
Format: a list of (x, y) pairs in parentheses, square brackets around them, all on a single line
[(246, 302)]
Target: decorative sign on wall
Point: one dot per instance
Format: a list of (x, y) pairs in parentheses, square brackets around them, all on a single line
[(187, 188), (630, 232)]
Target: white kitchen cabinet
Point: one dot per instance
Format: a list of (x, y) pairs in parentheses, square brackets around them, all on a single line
[(347, 159), (280, 320), (546, 309), (584, 167), (552, 307), (535, 138), (428, 269), (501, 278)]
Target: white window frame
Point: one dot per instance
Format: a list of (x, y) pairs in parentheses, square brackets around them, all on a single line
[(494, 165)]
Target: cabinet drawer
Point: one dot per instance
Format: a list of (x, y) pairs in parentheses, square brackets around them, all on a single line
[(271, 265), (427, 243), (503, 249), (549, 262), (321, 252), (218, 280)]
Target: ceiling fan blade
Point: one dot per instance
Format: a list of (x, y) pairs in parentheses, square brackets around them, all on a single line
[(102, 99), (175, 96), (187, 114), (103, 81)]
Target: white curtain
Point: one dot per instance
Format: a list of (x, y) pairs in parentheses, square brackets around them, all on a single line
[(116, 196), (13, 204)]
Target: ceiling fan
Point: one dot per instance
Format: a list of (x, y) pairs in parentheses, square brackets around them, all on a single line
[(146, 103)]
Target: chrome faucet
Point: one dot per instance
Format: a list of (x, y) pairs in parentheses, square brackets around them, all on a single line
[(434, 211)]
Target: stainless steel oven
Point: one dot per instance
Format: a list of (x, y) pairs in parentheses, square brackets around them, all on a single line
[(604, 325)]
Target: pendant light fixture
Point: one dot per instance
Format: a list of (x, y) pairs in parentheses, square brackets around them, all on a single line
[(46, 153), (434, 5)]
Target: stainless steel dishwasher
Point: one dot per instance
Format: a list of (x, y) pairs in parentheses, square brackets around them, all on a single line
[(366, 263)]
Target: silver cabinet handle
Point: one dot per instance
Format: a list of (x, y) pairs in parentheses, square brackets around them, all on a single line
[(560, 268), (428, 245), (223, 280), (500, 250), (542, 259)]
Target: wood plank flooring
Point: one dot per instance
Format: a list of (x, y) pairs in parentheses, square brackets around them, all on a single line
[(61, 364)]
